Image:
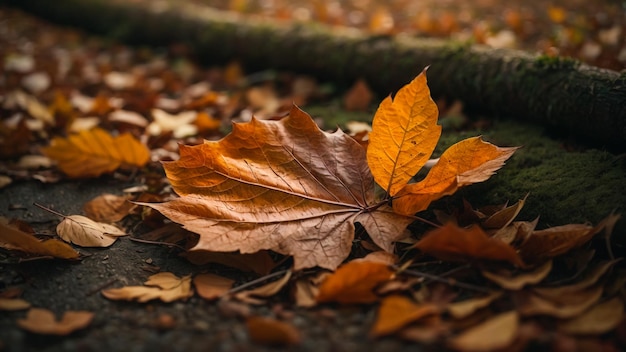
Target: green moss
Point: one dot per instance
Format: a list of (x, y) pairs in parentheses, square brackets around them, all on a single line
[(564, 187), (555, 62)]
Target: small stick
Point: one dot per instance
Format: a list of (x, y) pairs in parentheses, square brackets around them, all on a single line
[(49, 210), (157, 242)]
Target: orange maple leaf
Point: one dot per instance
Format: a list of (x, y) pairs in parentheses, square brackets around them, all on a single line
[(292, 188), (95, 152)]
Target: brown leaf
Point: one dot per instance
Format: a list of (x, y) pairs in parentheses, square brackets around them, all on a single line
[(504, 217), (13, 239), (517, 281), (259, 262), (312, 187), (600, 319), (569, 306), (354, 282), (395, 312), (43, 321), (108, 208), (451, 242), (211, 286), (95, 152), (307, 288), (164, 286), (358, 97), (268, 331), (495, 333), (85, 232)]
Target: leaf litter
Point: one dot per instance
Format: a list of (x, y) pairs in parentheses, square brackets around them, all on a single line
[(286, 186)]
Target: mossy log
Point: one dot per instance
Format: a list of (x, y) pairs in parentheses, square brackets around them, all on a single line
[(573, 99)]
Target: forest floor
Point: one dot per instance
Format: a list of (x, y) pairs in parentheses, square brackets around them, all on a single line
[(56, 66)]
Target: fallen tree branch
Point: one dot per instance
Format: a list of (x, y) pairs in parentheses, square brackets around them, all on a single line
[(570, 98)]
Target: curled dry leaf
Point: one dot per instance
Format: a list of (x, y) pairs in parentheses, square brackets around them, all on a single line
[(14, 239), (517, 281), (43, 321), (354, 282), (463, 309), (451, 242), (396, 312), (504, 217), (85, 232), (589, 278), (164, 286), (108, 208), (307, 288), (531, 303), (600, 319), (268, 331), (95, 152), (496, 333), (260, 294), (211, 286)]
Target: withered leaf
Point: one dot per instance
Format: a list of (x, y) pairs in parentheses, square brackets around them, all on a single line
[(519, 280), (108, 208), (600, 319), (11, 304), (260, 294), (259, 262), (85, 232), (531, 303), (95, 152), (164, 286), (354, 282), (462, 309), (43, 321), (450, 242), (13, 239), (495, 333), (396, 311), (211, 286), (268, 331), (311, 186)]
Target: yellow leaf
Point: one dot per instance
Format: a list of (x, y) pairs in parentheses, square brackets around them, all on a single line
[(495, 333), (43, 321), (469, 161), (404, 135), (11, 304), (396, 312), (85, 232), (211, 286), (268, 331), (95, 152), (164, 286)]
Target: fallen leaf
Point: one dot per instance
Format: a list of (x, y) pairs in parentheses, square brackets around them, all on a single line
[(396, 312), (268, 331), (164, 286), (450, 242), (260, 294), (463, 309), (504, 217), (43, 321), (600, 319), (531, 303), (85, 232), (211, 286), (108, 208), (259, 262), (404, 134), (589, 278), (12, 304), (517, 281), (354, 282), (95, 152), (358, 97), (13, 239), (466, 162), (495, 333), (312, 186), (307, 288)]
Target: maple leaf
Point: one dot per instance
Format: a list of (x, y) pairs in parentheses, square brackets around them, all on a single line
[(289, 187), (95, 152), (280, 185)]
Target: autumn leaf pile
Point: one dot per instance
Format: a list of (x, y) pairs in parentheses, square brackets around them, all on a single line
[(320, 219)]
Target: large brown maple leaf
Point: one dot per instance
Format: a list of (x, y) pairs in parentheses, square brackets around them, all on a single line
[(290, 187)]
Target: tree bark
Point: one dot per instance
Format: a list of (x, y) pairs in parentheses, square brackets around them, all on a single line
[(574, 99)]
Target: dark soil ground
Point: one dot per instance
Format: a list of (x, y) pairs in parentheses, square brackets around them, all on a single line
[(566, 184)]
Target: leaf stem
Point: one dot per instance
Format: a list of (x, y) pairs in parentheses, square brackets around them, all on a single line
[(49, 210)]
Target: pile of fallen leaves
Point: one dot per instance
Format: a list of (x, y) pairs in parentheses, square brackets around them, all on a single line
[(321, 217)]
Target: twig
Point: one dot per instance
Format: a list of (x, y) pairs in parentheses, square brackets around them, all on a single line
[(157, 242), (49, 210), (101, 287), (436, 278), (257, 281)]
